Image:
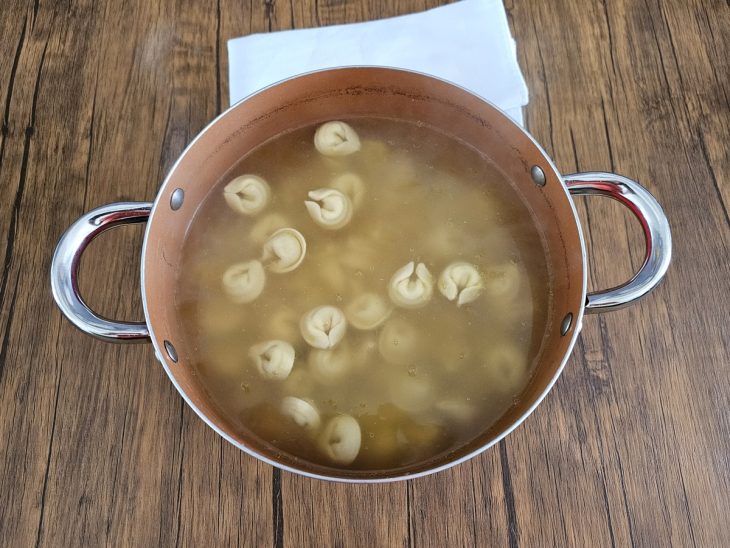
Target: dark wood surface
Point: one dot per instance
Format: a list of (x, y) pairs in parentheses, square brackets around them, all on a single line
[(632, 447)]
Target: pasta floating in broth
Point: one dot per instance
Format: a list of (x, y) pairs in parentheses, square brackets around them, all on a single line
[(273, 359), (323, 327), (336, 139), (247, 194), (368, 311), (329, 208), (244, 282), (350, 185), (302, 412), (284, 250), (375, 296), (411, 286), (460, 282)]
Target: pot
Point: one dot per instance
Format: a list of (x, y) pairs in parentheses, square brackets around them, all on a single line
[(347, 93)]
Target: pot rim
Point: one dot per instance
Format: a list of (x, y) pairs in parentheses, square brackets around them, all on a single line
[(385, 479)]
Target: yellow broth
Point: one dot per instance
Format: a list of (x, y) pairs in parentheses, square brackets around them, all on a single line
[(427, 198)]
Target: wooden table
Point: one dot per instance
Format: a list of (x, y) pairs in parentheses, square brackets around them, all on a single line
[(631, 447)]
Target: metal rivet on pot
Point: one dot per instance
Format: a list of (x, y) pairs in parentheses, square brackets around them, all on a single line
[(177, 199), (538, 175), (171, 352), (566, 323)]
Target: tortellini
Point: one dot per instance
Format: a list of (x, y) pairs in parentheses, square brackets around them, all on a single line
[(221, 360), (368, 311), (342, 263), (350, 185), (399, 342), (302, 412), (377, 153), (404, 172), (411, 286), (247, 194), (411, 393), (323, 327), (215, 318), (283, 324), (379, 439), (397, 165), (359, 253), (330, 366), (284, 250), (503, 281), (266, 226), (334, 276), (341, 439), (457, 410), (421, 435), (442, 239), (274, 359), (299, 382), (336, 139), (364, 351), (329, 208), (460, 282), (454, 351), (244, 282), (506, 367)]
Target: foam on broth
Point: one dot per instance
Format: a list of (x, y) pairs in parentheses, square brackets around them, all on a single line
[(425, 381)]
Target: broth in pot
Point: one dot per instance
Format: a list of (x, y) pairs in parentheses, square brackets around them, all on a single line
[(364, 294)]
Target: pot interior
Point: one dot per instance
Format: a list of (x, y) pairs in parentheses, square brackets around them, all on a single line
[(348, 93)]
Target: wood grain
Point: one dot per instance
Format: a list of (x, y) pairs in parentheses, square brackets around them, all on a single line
[(630, 448)]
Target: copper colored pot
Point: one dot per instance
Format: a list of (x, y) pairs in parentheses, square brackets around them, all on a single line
[(348, 93)]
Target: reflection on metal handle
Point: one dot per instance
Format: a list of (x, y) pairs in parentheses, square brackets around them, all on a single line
[(656, 232), (65, 267)]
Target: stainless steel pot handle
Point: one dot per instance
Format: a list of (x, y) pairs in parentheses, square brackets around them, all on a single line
[(656, 232), (65, 267)]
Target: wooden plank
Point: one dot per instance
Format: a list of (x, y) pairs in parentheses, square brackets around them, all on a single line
[(470, 505), (640, 365), (29, 381), (631, 447)]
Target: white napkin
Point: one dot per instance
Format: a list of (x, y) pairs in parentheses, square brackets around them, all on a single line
[(468, 43)]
